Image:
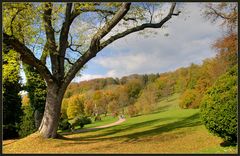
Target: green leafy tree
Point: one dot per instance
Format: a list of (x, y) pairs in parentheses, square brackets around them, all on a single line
[(113, 107), (75, 106), (219, 107), (89, 107), (121, 98), (193, 75), (36, 88), (181, 82), (100, 102), (147, 101), (188, 98), (64, 108), (134, 87), (11, 98)]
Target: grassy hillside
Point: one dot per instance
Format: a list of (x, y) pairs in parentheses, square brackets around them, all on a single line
[(168, 130)]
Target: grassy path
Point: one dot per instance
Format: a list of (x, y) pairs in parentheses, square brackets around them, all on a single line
[(168, 130), (95, 128)]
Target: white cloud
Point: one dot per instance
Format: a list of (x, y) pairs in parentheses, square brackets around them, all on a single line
[(85, 77), (189, 41)]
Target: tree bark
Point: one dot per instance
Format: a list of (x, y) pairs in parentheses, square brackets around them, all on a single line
[(49, 124), (38, 118)]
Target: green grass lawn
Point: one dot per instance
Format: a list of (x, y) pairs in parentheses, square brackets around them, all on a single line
[(168, 130), (104, 121)]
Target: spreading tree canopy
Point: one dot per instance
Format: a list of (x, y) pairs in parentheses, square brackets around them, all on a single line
[(69, 35)]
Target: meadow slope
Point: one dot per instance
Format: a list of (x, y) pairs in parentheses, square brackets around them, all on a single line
[(168, 130)]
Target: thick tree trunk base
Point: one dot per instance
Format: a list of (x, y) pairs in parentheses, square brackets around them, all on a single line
[(49, 124)]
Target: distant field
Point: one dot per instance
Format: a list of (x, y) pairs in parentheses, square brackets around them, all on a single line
[(168, 130)]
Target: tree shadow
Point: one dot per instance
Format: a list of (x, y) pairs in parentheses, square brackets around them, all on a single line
[(118, 128), (161, 109), (190, 121), (183, 123)]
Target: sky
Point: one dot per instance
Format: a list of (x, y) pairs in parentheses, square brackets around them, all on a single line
[(188, 41)]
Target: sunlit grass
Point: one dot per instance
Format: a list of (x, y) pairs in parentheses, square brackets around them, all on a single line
[(104, 121), (168, 130)]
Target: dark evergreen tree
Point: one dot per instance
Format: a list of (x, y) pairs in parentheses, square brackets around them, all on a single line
[(36, 88), (11, 98)]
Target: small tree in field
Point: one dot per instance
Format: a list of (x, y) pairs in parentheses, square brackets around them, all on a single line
[(71, 34), (75, 106)]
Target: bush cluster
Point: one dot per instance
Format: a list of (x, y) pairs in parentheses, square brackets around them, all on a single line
[(219, 107), (27, 125), (188, 98), (65, 124), (132, 111)]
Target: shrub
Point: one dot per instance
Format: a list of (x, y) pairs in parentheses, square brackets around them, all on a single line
[(27, 125), (132, 111), (80, 121), (98, 118), (188, 98), (64, 124), (219, 107)]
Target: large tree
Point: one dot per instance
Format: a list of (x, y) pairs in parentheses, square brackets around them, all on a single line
[(73, 34)]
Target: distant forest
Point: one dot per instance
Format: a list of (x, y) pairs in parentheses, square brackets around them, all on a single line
[(136, 94)]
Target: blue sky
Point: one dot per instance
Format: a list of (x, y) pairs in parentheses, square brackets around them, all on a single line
[(189, 41)]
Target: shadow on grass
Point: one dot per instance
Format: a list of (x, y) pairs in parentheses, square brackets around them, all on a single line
[(190, 121), (120, 128), (161, 109), (4, 144), (186, 122)]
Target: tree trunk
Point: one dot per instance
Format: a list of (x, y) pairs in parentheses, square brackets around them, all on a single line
[(49, 124), (38, 118)]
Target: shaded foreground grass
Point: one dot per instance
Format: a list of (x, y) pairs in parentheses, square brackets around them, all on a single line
[(168, 130)]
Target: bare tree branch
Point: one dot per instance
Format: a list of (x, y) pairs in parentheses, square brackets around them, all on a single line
[(75, 50), (63, 44), (77, 12), (94, 46), (68, 61), (141, 27), (218, 14), (75, 45), (27, 56)]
